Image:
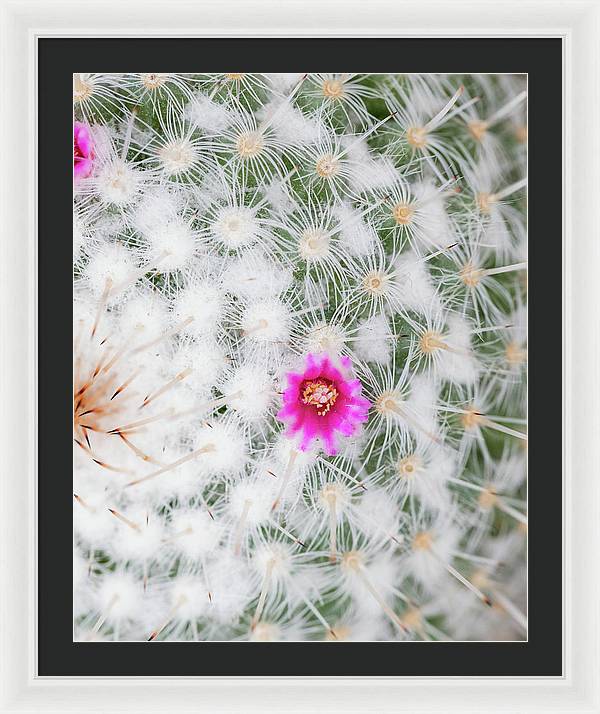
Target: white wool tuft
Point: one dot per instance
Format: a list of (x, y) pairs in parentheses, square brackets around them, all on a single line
[(289, 124), (373, 341), (119, 596), (433, 224), (314, 244), (278, 195), (253, 499), (369, 173), (231, 587), (188, 594), (323, 337), (226, 449), (80, 236), (422, 405), (118, 183), (250, 391), (158, 205), (236, 227), (109, 261), (378, 516), (274, 556), (194, 532), (458, 364), (144, 315), (93, 522), (173, 243), (253, 276), (427, 564), (414, 286), (356, 236), (284, 82), (204, 302), (208, 115), (142, 542), (303, 460), (266, 321), (80, 569), (207, 360), (177, 156)]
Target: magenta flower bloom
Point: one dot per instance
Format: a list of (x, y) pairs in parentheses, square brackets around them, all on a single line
[(83, 152), (323, 401)]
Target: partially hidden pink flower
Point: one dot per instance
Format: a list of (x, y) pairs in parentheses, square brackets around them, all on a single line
[(83, 152), (323, 401)]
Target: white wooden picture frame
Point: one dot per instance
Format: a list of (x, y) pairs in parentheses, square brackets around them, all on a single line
[(577, 22)]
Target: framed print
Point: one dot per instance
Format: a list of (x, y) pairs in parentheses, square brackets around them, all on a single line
[(300, 391), (325, 445)]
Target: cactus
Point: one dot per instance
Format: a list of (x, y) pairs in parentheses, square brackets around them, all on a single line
[(299, 357)]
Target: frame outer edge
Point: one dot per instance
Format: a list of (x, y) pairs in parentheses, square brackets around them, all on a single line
[(579, 691), (581, 301)]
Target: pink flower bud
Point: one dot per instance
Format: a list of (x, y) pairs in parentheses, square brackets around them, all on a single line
[(83, 153)]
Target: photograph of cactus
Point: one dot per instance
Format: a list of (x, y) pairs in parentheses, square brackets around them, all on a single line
[(300, 357)]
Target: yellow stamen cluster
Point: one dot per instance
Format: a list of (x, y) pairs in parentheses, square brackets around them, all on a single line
[(177, 155), (487, 499), (264, 632), (480, 579), (417, 137), (352, 560), (471, 418), (422, 541), (81, 90), (412, 619), (521, 134), (331, 493), (327, 166), (477, 129), (470, 275), (403, 213), (249, 144), (375, 282), (153, 80), (485, 202), (314, 243), (430, 342), (333, 89), (321, 394), (515, 354), (388, 403), (409, 465), (338, 633)]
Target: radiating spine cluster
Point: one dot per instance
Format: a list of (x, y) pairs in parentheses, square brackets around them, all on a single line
[(300, 357)]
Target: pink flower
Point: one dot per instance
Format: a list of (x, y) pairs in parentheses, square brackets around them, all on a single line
[(83, 152), (322, 401)]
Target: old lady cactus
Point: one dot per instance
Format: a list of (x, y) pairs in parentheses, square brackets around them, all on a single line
[(300, 357)]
